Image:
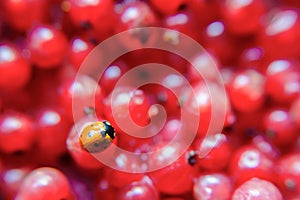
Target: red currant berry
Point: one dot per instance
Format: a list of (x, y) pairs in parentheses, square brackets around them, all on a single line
[(11, 179), (219, 152), (213, 186), (253, 57), (47, 46), (287, 171), (44, 183), (283, 80), (216, 39), (280, 31), (257, 189), (243, 17), (14, 69), (176, 178), (78, 94), (183, 22), (86, 12), (249, 162), (172, 92), (125, 103), (16, 132), (30, 11), (139, 190), (171, 129), (265, 146), (279, 127), (207, 100), (139, 107), (78, 51), (136, 14), (111, 75), (246, 91), (52, 128)]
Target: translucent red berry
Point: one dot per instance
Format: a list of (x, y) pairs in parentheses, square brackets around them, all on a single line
[(279, 127), (52, 128), (280, 30), (218, 152), (11, 179), (85, 12), (283, 80), (249, 162), (243, 17), (15, 70), (256, 189), (287, 174), (43, 183), (79, 49), (177, 178), (47, 45), (213, 186), (16, 132), (246, 91), (142, 189), (30, 11), (111, 75), (77, 94)]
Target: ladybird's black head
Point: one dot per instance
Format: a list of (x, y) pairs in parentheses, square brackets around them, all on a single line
[(109, 129)]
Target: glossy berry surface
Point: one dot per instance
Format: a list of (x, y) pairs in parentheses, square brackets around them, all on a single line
[(243, 17), (282, 80), (218, 158), (277, 39), (249, 162), (247, 91), (52, 130), (257, 189), (179, 174), (44, 182), (142, 189), (288, 179), (47, 46), (30, 11), (15, 70), (279, 127), (213, 186), (79, 49), (16, 128)]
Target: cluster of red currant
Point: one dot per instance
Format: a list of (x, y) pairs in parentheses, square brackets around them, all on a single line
[(254, 45)]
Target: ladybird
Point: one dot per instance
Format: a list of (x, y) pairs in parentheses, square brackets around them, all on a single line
[(97, 136)]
